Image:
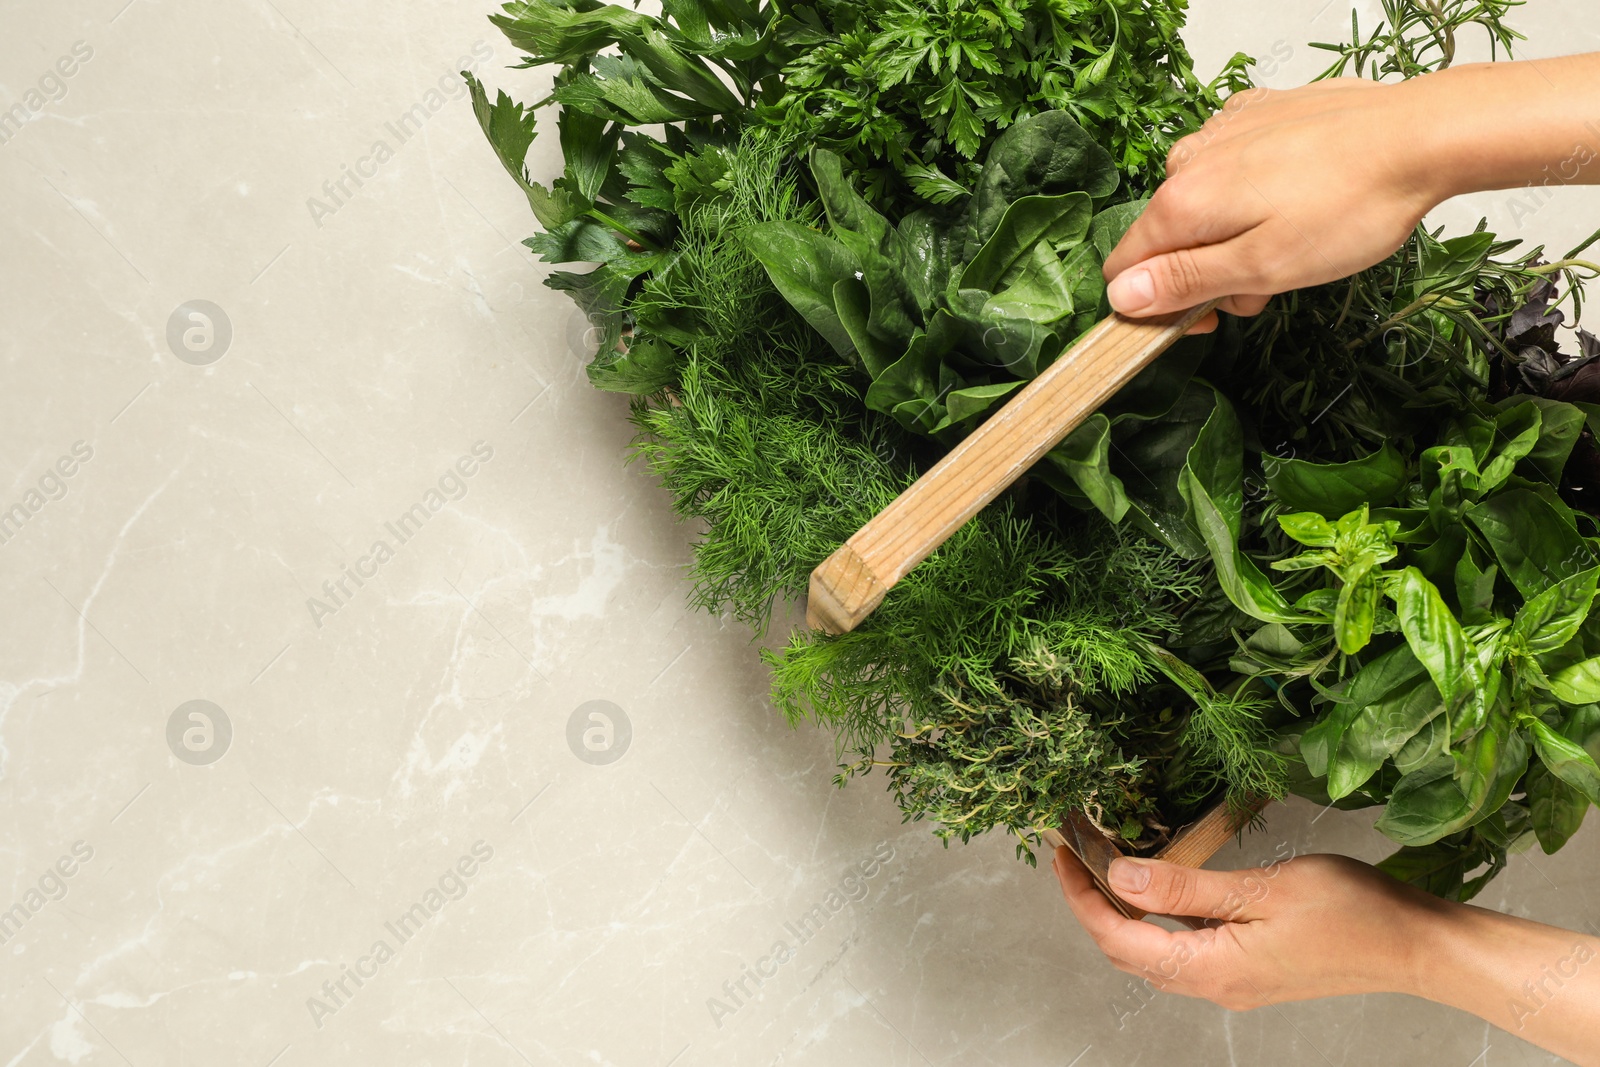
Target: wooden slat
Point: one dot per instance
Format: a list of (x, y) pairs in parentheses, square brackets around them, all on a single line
[(1096, 850), (1196, 843), (849, 584)]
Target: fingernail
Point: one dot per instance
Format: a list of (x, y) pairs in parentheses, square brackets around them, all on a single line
[(1132, 291), (1130, 876)]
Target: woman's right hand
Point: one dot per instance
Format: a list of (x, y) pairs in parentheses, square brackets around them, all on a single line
[(1279, 190)]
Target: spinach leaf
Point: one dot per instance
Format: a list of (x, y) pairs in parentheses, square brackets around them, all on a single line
[(1044, 155), (1032, 223), (805, 267), (1112, 225), (1085, 457), (883, 261)]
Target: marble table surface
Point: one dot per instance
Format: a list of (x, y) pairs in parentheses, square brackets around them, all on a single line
[(351, 708)]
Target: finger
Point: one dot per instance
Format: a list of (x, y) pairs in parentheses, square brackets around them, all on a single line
[(1172, 889), (1175, 281), (1076, 881), (1140, 945), (1091, 908), (1184, 215), (1206, 325), (1246, 307)]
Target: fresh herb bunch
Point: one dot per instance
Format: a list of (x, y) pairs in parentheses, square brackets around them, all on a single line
[(762, 434), (910, 93), (1344, 548)]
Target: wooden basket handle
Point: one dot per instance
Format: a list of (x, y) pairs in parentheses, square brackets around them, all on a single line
[(849, 584)]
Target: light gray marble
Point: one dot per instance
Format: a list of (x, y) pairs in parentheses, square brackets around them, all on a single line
[(399, 747)]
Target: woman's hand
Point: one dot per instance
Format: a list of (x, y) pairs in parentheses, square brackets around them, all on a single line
[(1285, 189), (1318, 926), (1279, 190), (1322, 926)]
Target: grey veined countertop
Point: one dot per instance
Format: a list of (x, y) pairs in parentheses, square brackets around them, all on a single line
[(334, 601)]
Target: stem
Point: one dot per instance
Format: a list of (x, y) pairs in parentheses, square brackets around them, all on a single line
[(1349, 298), (1568, 264), (1419, 304), (626, 231), (1444, 33)]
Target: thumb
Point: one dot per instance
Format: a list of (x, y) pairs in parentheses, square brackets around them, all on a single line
[(1178, 280), (1171, 889)]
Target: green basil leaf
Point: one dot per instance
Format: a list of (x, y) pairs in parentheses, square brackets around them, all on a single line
[(1425, 806), (1560, 425), (1583, 726), (1556, 808), (1537, 546), (1475, 589), (1425, 746), (1565, 758), (1491, 762), (1452, 793), (1552, 618), (1321, 740), (1579, 683), (1519, 427), (1453, 262), (1442, 868), (1413, 526), (1353, 617), (1334, 489), (1309, 528), (1212, 484), (1437, 640), (1378, 731)]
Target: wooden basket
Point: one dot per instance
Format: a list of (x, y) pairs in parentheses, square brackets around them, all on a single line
[(849, 584)]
